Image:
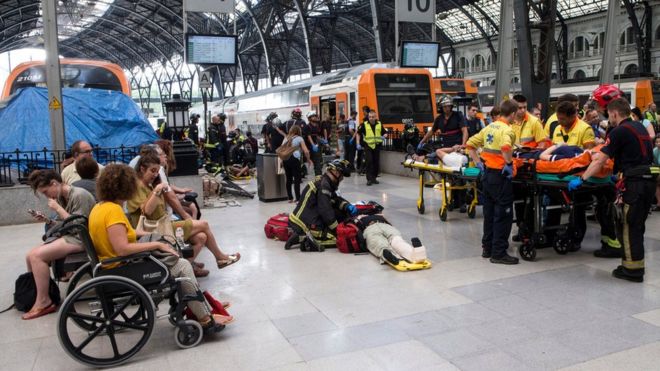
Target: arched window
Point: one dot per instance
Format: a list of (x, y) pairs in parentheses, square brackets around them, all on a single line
[(492, 83), (478, 63), (630, 69), (553, 76), (627, 37), (579, 75), (599, 43), (515, 80), (489, 62), (463, 64)]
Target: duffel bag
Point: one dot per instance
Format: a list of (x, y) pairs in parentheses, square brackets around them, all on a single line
[(349, 239), (277, 227)]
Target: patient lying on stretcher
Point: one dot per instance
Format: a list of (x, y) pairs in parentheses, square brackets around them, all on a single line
[(555, 152), (450, 157)]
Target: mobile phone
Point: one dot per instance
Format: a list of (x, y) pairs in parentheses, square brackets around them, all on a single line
[(32, 212)]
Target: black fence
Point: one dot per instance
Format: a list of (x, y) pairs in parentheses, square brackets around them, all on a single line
[(16, 166), (397, 140)]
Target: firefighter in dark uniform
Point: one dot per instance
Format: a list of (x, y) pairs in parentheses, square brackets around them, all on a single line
[(631, 147), (370, 137), (314, 220), (452, 129), (497, 168), (214, 144)]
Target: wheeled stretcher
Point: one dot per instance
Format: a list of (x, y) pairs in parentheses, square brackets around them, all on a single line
[(448, 179), (537, 185)]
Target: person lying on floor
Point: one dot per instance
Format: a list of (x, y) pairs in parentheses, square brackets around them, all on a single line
[(385, 242), (451, 157)]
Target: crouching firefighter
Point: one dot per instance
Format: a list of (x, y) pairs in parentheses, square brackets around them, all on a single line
[(315, 218), (630, 146)]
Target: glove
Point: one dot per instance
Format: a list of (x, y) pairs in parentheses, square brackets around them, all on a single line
[(420, 146), (315, 148), (358, 147), (384, 138), (574, 184), (614, 179), (352, 141), (507, 170), (352, 209), (481, 167), (323, 141)]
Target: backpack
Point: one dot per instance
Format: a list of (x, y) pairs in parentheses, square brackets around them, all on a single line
[(285, 151), (25, 292), (277, 227), (349, 239)]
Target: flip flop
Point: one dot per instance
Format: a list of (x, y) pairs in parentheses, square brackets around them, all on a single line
[(225, 320), (231, 259), (38, 312)]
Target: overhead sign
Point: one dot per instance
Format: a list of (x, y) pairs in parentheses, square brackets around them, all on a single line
[(55, 104), (419, 11), (210, 6), (205, 80)]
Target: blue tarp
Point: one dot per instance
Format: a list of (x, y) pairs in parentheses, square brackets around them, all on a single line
[(103, 118)]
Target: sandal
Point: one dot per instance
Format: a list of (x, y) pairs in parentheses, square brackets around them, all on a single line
[(231, 259), (223, 320), (199, 272), (38, 312), (198, 265)]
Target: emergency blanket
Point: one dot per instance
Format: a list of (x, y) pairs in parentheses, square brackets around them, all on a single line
[(104, 118), (575, 165)]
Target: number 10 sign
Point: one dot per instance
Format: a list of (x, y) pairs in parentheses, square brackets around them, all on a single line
[(420, 11)]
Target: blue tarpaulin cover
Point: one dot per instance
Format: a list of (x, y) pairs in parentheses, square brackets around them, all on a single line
[(104, 118)]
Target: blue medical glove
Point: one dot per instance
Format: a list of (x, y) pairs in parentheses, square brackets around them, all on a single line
[(574, 184), (352, 209), (315, 148), (507, 170), (352, 141), (420, 146), (359, 147), (481, 167), (323, 141)]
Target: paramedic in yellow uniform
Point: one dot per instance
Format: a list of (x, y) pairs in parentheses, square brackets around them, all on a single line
[(571, 130), (552, 122), (496, 141), (527, 127)]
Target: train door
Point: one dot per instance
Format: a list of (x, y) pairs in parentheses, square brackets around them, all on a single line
[(328, 108)]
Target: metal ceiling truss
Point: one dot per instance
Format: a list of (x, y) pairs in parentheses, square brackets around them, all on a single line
[(643, 31)]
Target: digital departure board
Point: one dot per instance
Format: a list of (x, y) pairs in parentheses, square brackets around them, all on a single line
[(211, 49), (420, 54)]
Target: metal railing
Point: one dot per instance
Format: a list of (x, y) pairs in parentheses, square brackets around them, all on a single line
[(397, 140), (16, 166)]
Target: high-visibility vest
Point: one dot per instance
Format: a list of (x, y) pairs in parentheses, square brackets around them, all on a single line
[(370, 138)]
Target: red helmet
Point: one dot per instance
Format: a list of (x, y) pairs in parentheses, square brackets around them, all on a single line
[(606, 93)]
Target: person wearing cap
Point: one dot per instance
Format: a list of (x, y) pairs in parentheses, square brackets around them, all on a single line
[(314, 219), (496, 141), (630, 146), (370, 137), (450, 128), (311, 133)]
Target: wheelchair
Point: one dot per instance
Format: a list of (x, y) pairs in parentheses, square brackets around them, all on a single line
[(106, 320)]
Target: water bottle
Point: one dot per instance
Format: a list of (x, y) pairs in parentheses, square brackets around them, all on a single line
[(179, 237)]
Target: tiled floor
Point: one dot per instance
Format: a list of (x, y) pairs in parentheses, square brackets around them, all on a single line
[(327, 311)]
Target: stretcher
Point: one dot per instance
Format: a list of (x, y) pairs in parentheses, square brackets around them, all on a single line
[(537, 185), (446, 178)]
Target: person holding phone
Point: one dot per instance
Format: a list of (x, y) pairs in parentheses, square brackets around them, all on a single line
[(64, 200)]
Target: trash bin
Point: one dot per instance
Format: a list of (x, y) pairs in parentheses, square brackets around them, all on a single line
[(270, 186), (186, 155)]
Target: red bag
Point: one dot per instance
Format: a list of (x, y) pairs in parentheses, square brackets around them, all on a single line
[(216, 307), (349, 240), (370, 208), (277, 227)]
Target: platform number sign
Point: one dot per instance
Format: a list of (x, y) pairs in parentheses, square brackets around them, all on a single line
[(420, 11)]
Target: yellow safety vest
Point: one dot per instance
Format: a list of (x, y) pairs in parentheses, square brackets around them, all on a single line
[(370, 138)]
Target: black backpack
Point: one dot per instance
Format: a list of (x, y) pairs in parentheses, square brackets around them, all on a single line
[(25, 292)]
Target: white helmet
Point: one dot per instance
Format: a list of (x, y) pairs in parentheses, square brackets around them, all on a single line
[(311, 113), (276, 121)]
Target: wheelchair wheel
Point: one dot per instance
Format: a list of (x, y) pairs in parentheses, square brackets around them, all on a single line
[(121, 315), (189, 334), (80, 277), (527, 251)]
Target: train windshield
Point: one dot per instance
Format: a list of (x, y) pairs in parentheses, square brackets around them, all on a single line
[(403, 97), (486, 99), (73, 76), (655, 90)]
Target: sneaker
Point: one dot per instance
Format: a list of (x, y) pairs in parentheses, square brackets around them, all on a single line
[(390, 257), (624, 274), (486, 254), (415, 242), (505, 259), (369, 183), (292, 241)]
